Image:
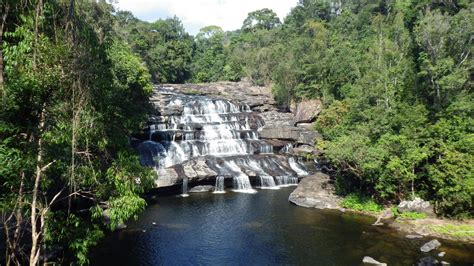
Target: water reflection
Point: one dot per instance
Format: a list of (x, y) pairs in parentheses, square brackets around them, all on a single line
[(258, 229)]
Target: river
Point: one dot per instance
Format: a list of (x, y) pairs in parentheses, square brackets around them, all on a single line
[(259, 229)]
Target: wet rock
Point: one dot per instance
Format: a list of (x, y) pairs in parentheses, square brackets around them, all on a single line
[(429, 246), (427, 261), (315, 191), (372, 261), (200, 189), (416, 205), (441, 254), (277, 144), (307, 110), (385, 216)]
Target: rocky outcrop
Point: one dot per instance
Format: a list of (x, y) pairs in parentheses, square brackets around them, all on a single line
[(315, 191), (249, 112), (417, 205), (307, 111)]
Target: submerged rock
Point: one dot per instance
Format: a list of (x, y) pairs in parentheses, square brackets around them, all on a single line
[(315, 191), (429, 246), (372, 261), (199, 189)]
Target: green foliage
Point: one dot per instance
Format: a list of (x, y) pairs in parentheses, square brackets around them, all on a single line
[(464, 230), (412, 215), (358, 202), (92, 92)]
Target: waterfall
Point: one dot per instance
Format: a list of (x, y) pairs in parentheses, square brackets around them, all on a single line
[(286, 181), (219, 188), (185, 187), (267, 182), (288, 148), (297, 167), (225, 133), (240, 179)]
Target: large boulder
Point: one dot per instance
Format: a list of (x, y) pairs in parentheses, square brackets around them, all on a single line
[(166, 177), (315, 191), (417, 205), (197, 170), (307, 111)]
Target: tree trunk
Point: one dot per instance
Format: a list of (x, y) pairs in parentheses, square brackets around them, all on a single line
[(35, 232), (3, 22)]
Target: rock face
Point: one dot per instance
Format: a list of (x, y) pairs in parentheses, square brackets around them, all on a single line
[(307, 111), (315, 191), (416, 205), (429, 246)]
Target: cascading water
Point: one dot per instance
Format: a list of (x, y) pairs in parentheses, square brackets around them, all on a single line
[(286, 181), (267, 182), (219, 188), (185, 187), (297, 167), (222, 133)]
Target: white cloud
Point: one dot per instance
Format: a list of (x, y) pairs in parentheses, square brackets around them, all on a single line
[(228, 14)]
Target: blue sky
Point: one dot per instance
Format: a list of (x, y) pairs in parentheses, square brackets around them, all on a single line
[(195, 14)]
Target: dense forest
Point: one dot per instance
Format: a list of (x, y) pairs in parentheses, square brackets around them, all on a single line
[(395, 78)]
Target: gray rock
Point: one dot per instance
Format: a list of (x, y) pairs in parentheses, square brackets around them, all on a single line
[(197, 170), (372, 261), (303, 149), (200, 189), (445, 263), (441, 254), (284, 133), (385, 216), (308, 137), (315, 191), (307, 110), (413, 236), (416, 205), (166, 177), (429, 246)]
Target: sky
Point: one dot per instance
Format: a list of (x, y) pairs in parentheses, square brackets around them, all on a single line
[(195, 14)]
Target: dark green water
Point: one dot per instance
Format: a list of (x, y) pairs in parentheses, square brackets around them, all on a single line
[(259, 229)]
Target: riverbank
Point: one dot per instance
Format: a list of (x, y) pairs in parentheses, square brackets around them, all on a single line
[(317, 191)]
